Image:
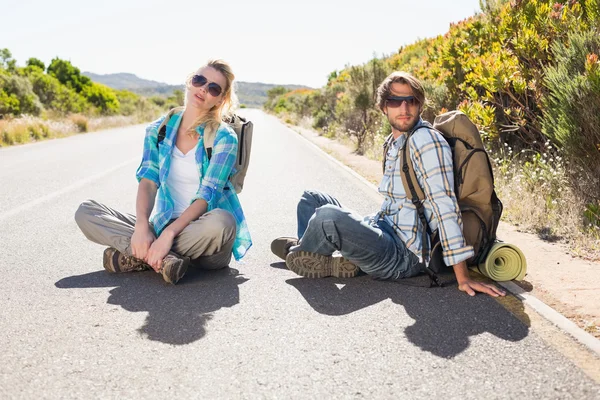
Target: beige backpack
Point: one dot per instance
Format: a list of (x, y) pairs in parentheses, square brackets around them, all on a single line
[(473, 186), (243, 130)]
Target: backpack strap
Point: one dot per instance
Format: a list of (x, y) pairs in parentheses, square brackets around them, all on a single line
[(209, 139), (162, 132), (417, 197), (209, 142), (162, 128), (409, 174), (386, 147)]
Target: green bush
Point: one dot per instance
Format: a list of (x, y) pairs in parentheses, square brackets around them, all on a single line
[(102, 97), (16, 93), (9, 103), (321, 119), (55, 96), (128, 101), (273, 94), (282, 106), (147, 110), (437, 100), (176, 99), (158, 100), (571, 117)]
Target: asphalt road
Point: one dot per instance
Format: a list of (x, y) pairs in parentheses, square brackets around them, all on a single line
[(256, 330)]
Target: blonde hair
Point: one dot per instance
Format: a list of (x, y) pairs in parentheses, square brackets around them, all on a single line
[(221, 112)]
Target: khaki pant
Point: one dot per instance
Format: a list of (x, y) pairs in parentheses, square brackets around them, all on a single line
[(208, 241)]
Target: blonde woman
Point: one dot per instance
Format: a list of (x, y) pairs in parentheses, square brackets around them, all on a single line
[(196, 217)]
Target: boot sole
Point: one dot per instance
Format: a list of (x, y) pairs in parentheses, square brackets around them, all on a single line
[(313, 265)]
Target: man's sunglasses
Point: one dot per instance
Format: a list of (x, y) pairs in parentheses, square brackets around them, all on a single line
[(213, 88), (396, 101)]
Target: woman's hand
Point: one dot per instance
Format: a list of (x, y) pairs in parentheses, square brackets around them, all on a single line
[(159, 250), (141, 240)]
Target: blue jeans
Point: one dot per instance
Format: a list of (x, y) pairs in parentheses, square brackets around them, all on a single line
[(324, 226)]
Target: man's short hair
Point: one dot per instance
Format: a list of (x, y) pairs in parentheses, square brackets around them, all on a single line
[(385, 89)]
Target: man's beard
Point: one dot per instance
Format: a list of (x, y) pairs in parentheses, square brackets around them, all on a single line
[(407, 127)]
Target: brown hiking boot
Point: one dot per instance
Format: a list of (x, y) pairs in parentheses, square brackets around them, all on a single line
[(313, 265), (116, 262), (281, 246), (174, 267)]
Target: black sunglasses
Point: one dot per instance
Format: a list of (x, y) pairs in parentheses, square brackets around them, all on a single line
[(396, 101), (213, 88)]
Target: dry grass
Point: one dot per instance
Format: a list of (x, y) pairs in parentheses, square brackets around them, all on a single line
[(28, 129), (80, 121), (116, 121), (534, 188)]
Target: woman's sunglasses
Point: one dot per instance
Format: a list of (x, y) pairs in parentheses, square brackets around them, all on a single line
[(396, 101), (213, 88)]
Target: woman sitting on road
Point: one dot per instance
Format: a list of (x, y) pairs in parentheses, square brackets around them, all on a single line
[(197, 217)]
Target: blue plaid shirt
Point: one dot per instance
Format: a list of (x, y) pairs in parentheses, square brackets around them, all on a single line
[(214, 176), (431, 158)]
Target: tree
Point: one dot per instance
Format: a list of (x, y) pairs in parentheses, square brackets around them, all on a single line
[(362, 118), (6, 60), (68, 75), (34, 62)]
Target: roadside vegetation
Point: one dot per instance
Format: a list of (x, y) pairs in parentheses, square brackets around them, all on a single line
[(527, 72), (39, 102)]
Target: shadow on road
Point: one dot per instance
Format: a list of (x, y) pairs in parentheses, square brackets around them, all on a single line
[(176, 314), (445, 318)]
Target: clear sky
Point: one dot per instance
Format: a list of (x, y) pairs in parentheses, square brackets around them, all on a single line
[(284, 42)]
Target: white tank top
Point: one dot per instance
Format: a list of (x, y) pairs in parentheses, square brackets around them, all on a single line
[(183, 180)]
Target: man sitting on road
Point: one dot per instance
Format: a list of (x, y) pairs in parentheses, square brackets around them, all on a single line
[(388, 244)]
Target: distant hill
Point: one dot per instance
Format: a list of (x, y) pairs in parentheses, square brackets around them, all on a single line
[(252, 94)]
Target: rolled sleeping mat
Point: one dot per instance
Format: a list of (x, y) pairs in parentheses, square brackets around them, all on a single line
[(504, 262)]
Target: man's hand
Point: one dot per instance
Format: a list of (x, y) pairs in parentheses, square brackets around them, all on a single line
[(471, 287), (141, 240), (159, 250), (466, 284)]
